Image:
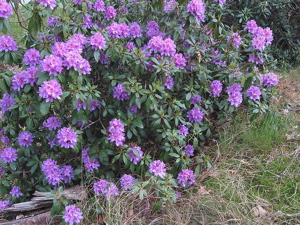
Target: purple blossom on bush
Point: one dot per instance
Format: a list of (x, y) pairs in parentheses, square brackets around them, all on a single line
[(251, 26), (134, 109), (89, 164), (165, 47), (52, 64), (196, 99), (16, 192), (130, 46), (32, 57), (50, 90), (52, 123), (135, 154), (259, 43), (59, 49), (97, 41), (169, 82), (25, 139), (116, 132), (189, 150), (120, 93), (235, 98), (72, 215), (6, 102), (268, 34), (110, 13), (269, 79), (106, 188), (253, 93), (183, 130), (116, 30), (127, 181), (7, 44), (256, 58), (152, 29), (222, 2), (170, 6), (31, 75), (87, 21), (186, 178), (5, 9), (99, 6), (197, 9), (67, 138), (5, 139), (66, 173), (157, 168), (94, 105), (8, 155), (50, 3), (52, 21), (2, 170), (135, 30), (236, 40), (179, 61), (4, 204), (18, 81), (233, 88), (51, 171), (195, 115), (215, 88)]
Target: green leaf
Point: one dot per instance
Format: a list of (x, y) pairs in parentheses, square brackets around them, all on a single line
[(43, 76), (3, 86), (97, 55), (174, 155), (13, 165), (157, 205), (44, 108), (5, 183), (7, 25), (33, 168), (138, 123)]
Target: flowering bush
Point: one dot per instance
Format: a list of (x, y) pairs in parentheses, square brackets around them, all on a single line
[(123, 86)]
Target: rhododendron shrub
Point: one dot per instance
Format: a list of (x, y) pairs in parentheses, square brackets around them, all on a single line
[(109, 88)]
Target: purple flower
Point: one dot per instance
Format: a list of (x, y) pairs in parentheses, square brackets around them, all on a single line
[(50, 90), (4, 204), (135, 154), (52, 64), (94, 105), (5, 139), (195, 115), (196, 99), (16, 192), (197, 9), (269, 79), (130, 46), (97, 41), (99, 6), (251, 26), (234, 88), (25, 139), (7, 43), (220, 1), (67, 138), (30, 75), (253, 93), (5, 9), (183, 130), (50, 3), (135, 30), (72, 215), (120, 93), (235, 98), (6, 102), (134, 109), (51, 171), (106, 188), (179, 61), (52, 123), (168, 47), (52, 21), (257, 59), (66, 173), (116, 132), (170, 6), (2, 170), (127, 181), (153, 29), (8, 155), (169, 82), (189, 150), (89, 164), (157, 168), (110, 13), (215, 88), (87, 21), (236, 40), (186, 178), (259, 43), (268, 34), (18, 81), (116, 30), (32, 57)]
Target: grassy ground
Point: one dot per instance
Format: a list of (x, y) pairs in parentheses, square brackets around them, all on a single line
[(255, 181)]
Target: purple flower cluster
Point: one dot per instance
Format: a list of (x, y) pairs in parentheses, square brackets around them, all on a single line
[(52, 64), (189, 150), (157, 168), (195, 115), (67, 138), (256, 58), (97, 41), (25, 139), (50, 3), (269, 79), (235, 96), (32, 57), (4, 204), (54, 174), (135, 30), (8, 155), (196, 99), (170, 6), (52, 21), (236, 40), (153, 29), (222, 2), (16, 192), (183, 130), (89, 164), (253, 93), (127, 181), (5, 9), (197, 9), (50, 90), (108, 189), (135, 154), (169, 82), (7, 44), (116, 131), (72, 215), (6, 102), (186, 178), (52, 123), (118, 30), (18, 81), (99, 6), (179, 61), (165, 47), (120, 93), (215, 88), (110, 13)]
